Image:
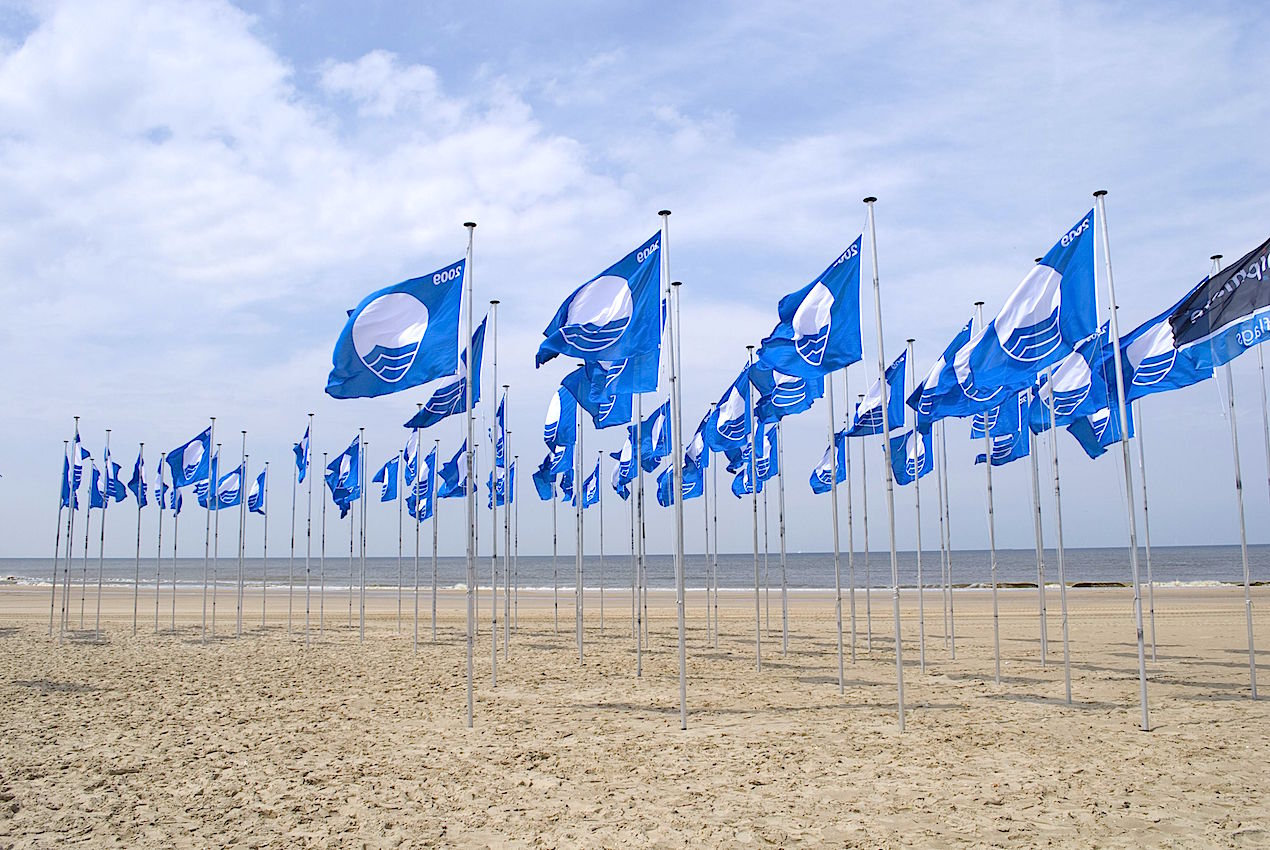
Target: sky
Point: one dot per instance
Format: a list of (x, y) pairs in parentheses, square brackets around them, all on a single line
[(195, 193)]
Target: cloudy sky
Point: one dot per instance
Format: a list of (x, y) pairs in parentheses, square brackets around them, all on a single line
[(195, 192)]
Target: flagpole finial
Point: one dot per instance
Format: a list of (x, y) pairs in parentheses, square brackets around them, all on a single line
[(749, 348), (494, 301), (676, 283), (870, 200), (978, 303), (663, 212), (910, 340), (1100, 193), (470, 225), (1215, 257)]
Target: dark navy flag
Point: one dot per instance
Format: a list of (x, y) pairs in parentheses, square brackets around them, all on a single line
[(301, 450), (1050, 313), (654, 437), (614, 315), (1076, 388), (399, 337), (819, 327), (729, 425), (410, 457), (1008, 435), (868, 413), (1228, 313), (822, 476), (911, 456), (451, 396), (608, 412), (387, 476), (940, 382), (781, 395), (189, 460), (454, 475), (137, 484), (545, 480), (256, 497), (1153, 362)]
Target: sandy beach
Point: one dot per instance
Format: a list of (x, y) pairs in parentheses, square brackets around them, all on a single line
[(255, 741)]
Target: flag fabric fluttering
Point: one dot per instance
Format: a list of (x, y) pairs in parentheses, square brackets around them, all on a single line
[(781, 395), (189, 461), (693, 484), (387, 477), (115, 488), (911, 456), (454, 475), (501, 488), (70, 496), (1051, 312), (344, 477), (1152, 360), (229, 489), (768, 460), (821, 477), (500, 433), (301, 450), (654, 436), (137, 484), (607, 411), (451, 396), (1228, 313), (1100, 430), (743, 481), (591, 488), (614, 315), (940, 382), (566, 486), (620, 487), (625, 471), (729, 425), (96, 489), (617, 377), (1077, 386), (560, 429), (867, 421), (1006, 428), (818, 331), (399, 337), (410, 458), (256, 496), (545, 480), (420, 503)]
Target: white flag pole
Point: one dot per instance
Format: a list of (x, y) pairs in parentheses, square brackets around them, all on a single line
[(706, 491), (846, 479), (242, 540), (401, 497), (70, 537), (417, 522), (943, 548), (361, 589), (864, 508), (599, 486), (176, 527), (579, 496), (714, 565), (83, 581), (890, 488), (515, 493), (321, 576), (780, 489), (158, 555), (640, 609), (555, 563), (471, 478), (767, 572), (264, 554), (952, 618), (677, 442), (213, 502), (101, 545), (207, 534), (833, 512), (436, 506), (295, 475), (1128, 468), (992, 534), (910, 381), (634, 557), (1058, 532), (1239, 500), (1146, 518), (1038, 533), (136, 579), (68, 479), (753, 476), (507, 526), (493, 512)]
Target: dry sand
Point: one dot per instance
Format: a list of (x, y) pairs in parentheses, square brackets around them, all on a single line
[(166, 741)]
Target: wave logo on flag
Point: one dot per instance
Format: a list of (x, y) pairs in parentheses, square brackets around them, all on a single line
[(914, 454), (387, 334), (1070, 385), (1152, 355), (984, 423), (1028, 326), (812, 323), (192, 460), (961, 368), (598, 314), (731, 421), (230, 486)]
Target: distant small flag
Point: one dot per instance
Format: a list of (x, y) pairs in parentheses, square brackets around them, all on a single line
[(410, 457), (450, 397), (454, 475), (868, 412), (729, 424), (259, 489), (137, 484), (301, 450), (189, 461), (387, 477), (912, 456), (822, 476)]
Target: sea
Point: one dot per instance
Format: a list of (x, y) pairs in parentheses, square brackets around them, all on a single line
[(1170, 565)]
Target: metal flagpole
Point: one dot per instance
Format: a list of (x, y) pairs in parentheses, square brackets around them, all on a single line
[(864, 509), (321, 577), (706, 490), (176, 527), (101, 545), (1146, 516), (471, 490), (436, 506), (992, 534), (1058, 532), (295, 475), (599, 456), (400, 532), (943, 549), (308, 536), (677, 465), (780, 489), (1128, 468), (555, 564), (351, 569), (833, 511), (418, 474), (640, 610), (493, 503), (264, 555), (213, 502), (846, 457), (1239, 500), (70, 536), (158, 555), (136, 579), (890, 492), (579, 495), (507, 529), (361, 589), (634, 559), (952, 618), (242, 540), (68, 478), (83, 581), (1040, 546), (752, 472), (514, 490), (767, 573), (714, 510), (910, 381)]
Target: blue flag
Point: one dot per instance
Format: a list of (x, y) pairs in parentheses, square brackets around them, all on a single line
[(822, 476), (545, 480), (79, 454), (1228, 313), (693, 484), (608, 412), (1153, 362), (614, 315), (259, 490), (566, 486), (729, 425), (819, 328), (399, 337), (301, 450), (781, 395), (387, 476), (451, 397), (560, 429), (229, 490), (591, 488), (454, 475), (654, 436), (607, 378), (96, 490), (344, 477), (620, 487), (177, 501), (500, 433), (501, 487), (911, 456), (137, 484), (768, 461), (625, 471), (1050, 313), (69, 496), (743, 483), (1007, 431), (410, 457), (189, 460), (696, 453), (1076, 388), (1097, 432), (868, 413), (420, 503), (939, 382)]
